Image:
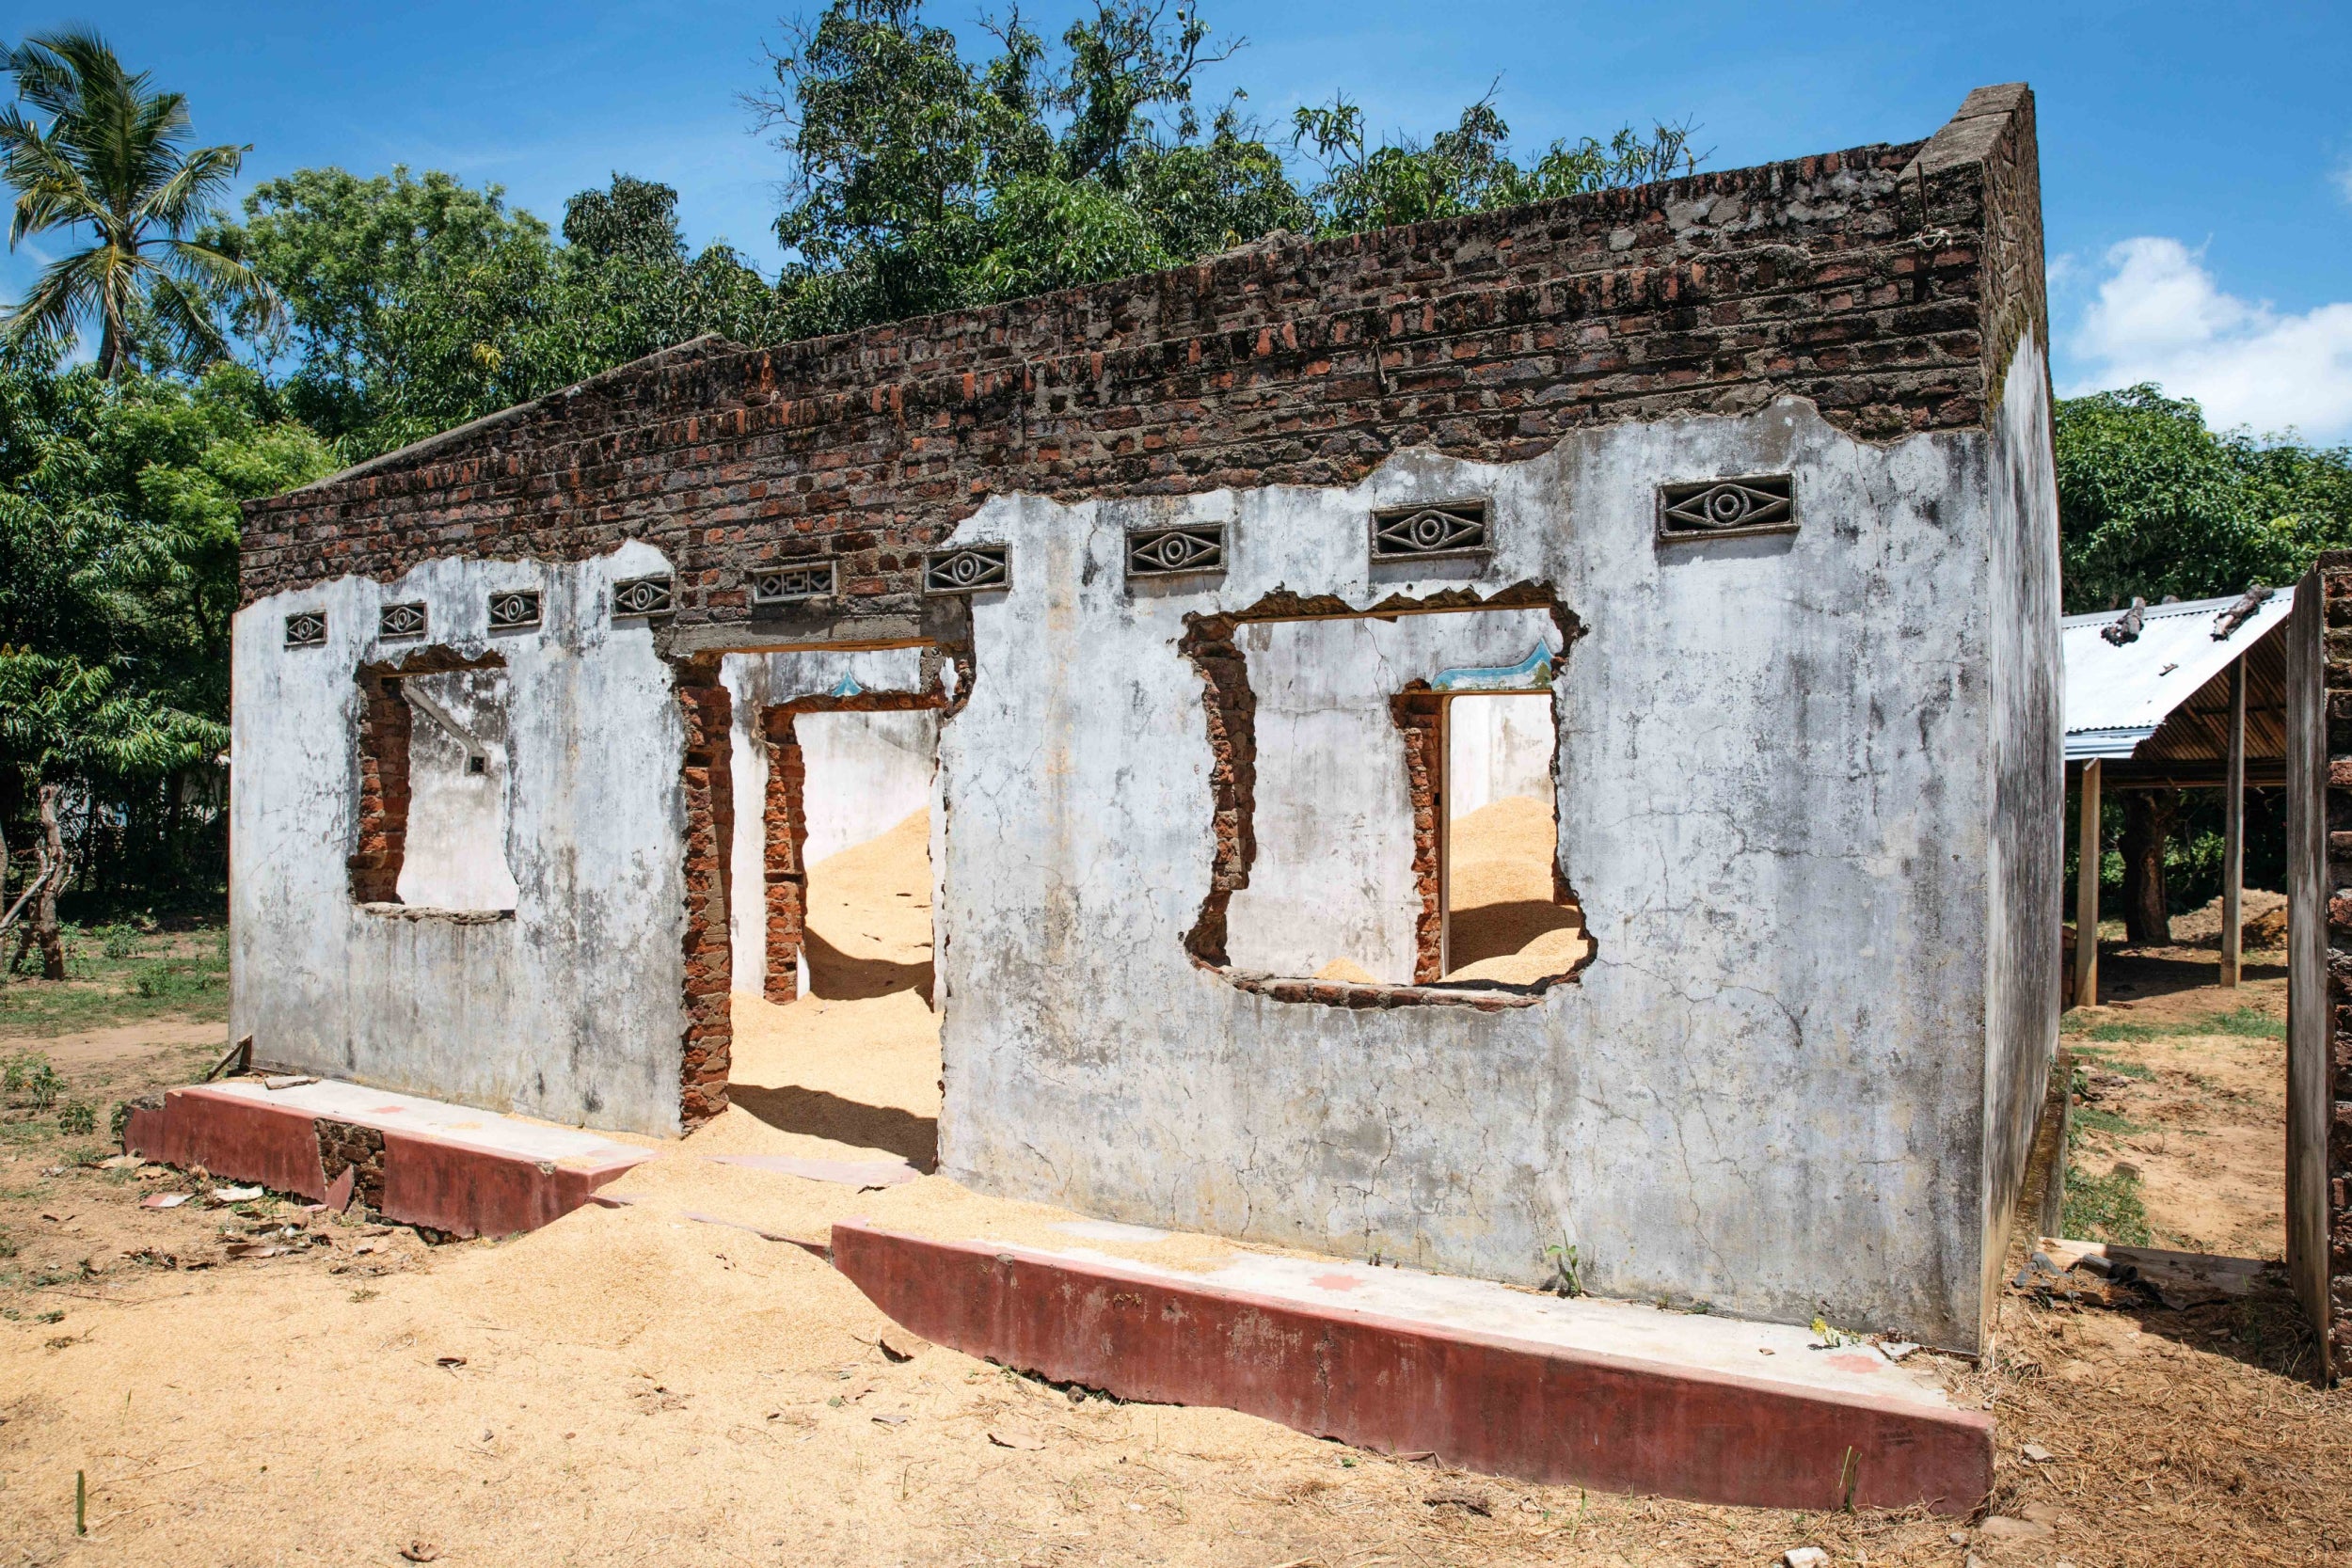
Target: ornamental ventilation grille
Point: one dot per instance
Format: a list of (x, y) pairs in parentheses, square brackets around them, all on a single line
[(968, 569), (1166, 552), (515, 610), (401, 619), (1714, 508), (790, 584), (1429, 532), (307, 630), (642, 596)]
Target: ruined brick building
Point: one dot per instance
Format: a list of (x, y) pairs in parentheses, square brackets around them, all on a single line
[(1178, 576)]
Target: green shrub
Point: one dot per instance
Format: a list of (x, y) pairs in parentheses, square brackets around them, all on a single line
[(174, 979), (29, 1074), (76, 1120), (2104, 1208), (118, 941)]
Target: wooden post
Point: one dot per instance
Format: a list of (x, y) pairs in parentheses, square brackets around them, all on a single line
[(2233, 830), (2086, 895)]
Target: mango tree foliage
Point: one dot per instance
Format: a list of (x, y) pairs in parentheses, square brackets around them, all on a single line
[(117, 580), (2154, 505)]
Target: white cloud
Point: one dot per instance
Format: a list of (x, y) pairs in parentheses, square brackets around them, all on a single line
[(2160, 316), (2343, 181)]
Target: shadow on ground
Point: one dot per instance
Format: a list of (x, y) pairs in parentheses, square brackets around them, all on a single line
[(837, 974), (815, 1114)]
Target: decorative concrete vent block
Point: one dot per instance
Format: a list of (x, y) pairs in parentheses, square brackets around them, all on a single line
[(1726, 508), (968, 569), (401, 619), (307, 630), (515, 610), (1168, 552), (1431, 532), (642, 596), (792, 584)]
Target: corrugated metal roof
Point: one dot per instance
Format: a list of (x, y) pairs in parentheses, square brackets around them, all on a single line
[(2118, 697)]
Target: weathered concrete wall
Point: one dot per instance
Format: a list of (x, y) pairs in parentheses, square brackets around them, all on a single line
[(1496, 747), (2025, 764), (1750, 1097), (1334, 873), (862, 767), (569, 1008), (455, 843)]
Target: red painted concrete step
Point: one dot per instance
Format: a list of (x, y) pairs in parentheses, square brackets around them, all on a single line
[(452, 1167), (1593, 1393)]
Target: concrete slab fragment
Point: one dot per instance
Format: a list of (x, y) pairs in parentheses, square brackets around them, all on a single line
[(1586, 1393), (456, 1168)]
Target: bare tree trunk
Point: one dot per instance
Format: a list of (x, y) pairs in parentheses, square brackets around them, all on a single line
[(45, 911), (2148, 819)]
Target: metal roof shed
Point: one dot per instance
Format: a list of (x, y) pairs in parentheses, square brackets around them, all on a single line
[(2173, 696)]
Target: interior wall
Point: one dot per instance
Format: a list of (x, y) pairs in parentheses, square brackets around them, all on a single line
[(1497, 746), (1333, 877), (858, 773), (455, 845)]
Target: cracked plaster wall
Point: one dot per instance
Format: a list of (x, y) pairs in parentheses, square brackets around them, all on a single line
[(1767, 1092), (570, 1007)]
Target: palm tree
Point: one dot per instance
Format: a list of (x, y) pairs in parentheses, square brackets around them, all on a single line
[(113, 157)]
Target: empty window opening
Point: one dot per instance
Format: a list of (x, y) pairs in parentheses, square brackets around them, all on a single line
[(433, 804), (842, 1042), (1395, 830)]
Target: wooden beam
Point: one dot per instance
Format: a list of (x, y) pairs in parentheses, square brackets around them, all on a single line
[(2233, 830), (2086, 893)]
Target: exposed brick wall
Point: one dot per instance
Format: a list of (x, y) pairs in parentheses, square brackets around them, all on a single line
[(346, 1145), (1231, 709), (1489, 337), (1420, 723), (786, 837), (706, 783), (382, 837), (2336, 588)]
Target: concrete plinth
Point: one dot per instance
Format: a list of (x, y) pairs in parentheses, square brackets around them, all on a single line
[(1586, 1393), (452, 1167)]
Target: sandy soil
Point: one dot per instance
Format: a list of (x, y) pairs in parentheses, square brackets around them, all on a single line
[(1504, 925), (2198, 1074), (664, 1384)]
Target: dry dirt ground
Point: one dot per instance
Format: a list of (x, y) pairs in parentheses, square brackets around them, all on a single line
[(252, 1383)]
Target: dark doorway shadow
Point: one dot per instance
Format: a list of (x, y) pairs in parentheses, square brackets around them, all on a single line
[(837, 976), (817, 1114), (1484, 932), (2128, 975)]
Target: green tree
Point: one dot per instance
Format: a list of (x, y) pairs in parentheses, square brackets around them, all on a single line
[(416, 302), (2152, 504), (113, 158), (1466, 169), (118, 578)]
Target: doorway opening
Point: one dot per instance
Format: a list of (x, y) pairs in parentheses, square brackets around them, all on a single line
[(836, 1050), (1509, 914)]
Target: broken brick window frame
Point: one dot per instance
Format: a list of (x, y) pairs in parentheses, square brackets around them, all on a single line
[(784, 840), (1231, 708), (386, 726)]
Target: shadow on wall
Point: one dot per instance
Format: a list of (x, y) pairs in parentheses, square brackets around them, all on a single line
[(815, 1114)]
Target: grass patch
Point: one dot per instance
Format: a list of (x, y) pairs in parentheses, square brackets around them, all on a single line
[(2091, 1119), (2121, 1065), (117, 975), (2243, 1023), (2104, 1208)]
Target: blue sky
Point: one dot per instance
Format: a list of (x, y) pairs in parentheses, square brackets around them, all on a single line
[(2196, 162)]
